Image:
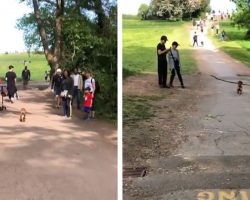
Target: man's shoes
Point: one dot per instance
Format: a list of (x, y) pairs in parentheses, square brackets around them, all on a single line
[(182, 86), (164, 86)]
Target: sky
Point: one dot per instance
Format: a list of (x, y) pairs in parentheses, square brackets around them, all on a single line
[(11, 39), (132, 6)]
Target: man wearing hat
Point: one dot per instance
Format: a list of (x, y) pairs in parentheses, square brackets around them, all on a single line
[(56, 86), (162, 62)]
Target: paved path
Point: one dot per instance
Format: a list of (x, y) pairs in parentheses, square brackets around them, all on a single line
[(52, 158), (214, 164)]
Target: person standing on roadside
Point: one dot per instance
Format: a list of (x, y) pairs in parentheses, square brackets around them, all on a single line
[(91, 83), (67, 93), (46, 75), (175, 65), (10, 77), (78, 86), (56, 87), (162, 62), (195, 39), (223, 35), (25, 77), (217, 28)]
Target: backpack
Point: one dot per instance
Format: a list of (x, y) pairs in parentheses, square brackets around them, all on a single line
[(97, 86)]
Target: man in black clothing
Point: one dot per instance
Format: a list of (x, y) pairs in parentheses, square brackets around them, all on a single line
[(25, 77), (162, 62), (11, 83)]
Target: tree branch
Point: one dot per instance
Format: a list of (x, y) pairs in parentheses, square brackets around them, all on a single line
[(41, 28), (58, 29)]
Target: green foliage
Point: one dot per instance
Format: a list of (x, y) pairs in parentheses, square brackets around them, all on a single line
[(174, 9), (140, 39), (242, 16), (236, 45), (143, 11), (88, 42)]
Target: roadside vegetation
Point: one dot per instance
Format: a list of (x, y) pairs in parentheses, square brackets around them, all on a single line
[(236, 44)]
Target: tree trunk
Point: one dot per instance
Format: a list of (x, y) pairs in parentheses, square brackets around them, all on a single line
[(53, 54)]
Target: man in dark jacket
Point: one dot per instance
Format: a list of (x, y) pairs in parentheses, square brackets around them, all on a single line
[(162, 62), (25, 77)]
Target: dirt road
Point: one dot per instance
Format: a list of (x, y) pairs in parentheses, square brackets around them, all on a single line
[(52, 158), (214, 162)]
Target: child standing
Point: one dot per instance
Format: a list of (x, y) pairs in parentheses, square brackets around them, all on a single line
[(174, 62), (88, 102)]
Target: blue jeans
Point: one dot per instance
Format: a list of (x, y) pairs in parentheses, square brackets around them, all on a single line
[(67, 109)]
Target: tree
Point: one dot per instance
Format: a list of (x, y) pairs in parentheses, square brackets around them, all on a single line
[(47, 20), (178, 9), (242, 16), (143, 11), (77, 34)]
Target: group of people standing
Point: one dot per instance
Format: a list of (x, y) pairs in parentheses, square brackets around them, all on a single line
[(73, 87), (169, 57), (67, 88)]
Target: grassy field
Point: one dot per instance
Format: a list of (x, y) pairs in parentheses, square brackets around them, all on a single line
[(235, 45), (140, 39), (37, 65)]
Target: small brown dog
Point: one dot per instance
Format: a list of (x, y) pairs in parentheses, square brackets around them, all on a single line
[(22, 115), (240, 88)]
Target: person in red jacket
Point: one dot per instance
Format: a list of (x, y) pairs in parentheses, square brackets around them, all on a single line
[(88, 102)]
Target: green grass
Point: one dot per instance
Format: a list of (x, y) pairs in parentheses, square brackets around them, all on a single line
[(136, 108), (140, 39), (235, 45), (37, 66)]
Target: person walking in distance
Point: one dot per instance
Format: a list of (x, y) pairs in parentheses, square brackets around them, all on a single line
[(217, 28), (174, 63), (56, 87), (195, 39), (78, 86), (46, 75), (162, 62), (10, 77), (26, 77)]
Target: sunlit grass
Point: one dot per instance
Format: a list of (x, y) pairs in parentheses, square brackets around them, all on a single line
[(140, 39), (236, 45), (37, 65)]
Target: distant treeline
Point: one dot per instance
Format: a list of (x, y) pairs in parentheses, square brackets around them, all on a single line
[(174, 9)]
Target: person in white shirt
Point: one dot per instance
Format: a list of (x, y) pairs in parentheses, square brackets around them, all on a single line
[(90, 83), (78, 86)]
